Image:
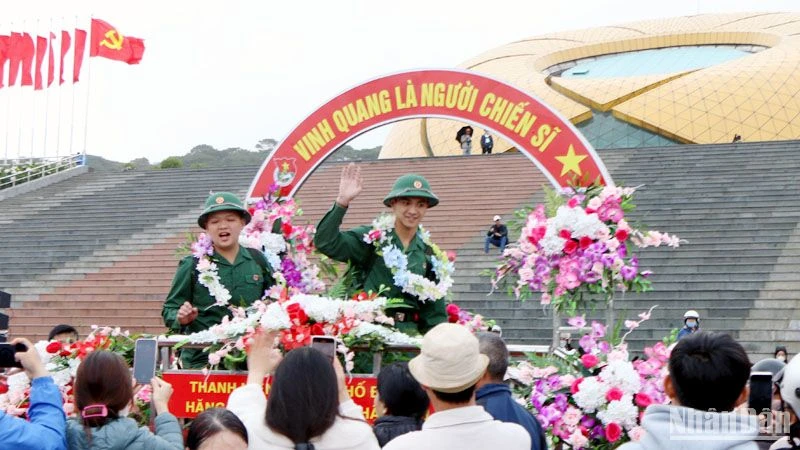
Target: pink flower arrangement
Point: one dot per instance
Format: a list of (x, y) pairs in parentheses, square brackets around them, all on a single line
[(286, 245), (583, 248), (593, 397)]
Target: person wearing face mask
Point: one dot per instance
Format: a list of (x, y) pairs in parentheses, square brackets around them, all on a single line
[(781, 353), (691, 324)]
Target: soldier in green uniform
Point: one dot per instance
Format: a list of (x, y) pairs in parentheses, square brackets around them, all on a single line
[(244, 272), (410, 198)]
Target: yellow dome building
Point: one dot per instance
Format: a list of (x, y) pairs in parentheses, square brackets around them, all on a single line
[(699, 79)]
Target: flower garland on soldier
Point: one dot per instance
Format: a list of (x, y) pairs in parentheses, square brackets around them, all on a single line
[(207, 271), (397, 261)]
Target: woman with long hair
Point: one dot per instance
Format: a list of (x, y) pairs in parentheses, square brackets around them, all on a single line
[(103, 393), (216, 428), (308, 407)]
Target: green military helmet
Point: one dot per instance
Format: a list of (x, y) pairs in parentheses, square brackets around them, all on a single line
[(412, 185), (222, 201)]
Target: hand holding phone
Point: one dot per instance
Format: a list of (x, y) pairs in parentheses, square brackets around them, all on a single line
[(325, 344), (144, 360), (8, 352), (760, 391)]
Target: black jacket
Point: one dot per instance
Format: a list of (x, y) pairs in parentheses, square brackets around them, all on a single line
[(387, 428)]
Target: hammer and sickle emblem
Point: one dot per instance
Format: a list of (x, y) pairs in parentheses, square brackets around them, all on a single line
[(113, 40)]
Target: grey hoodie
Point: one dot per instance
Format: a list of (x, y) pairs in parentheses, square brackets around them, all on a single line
[(694, 429), (125, 434)]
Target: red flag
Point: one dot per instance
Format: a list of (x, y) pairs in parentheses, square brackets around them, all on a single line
[(51, 63), (41, 49), (21, 53), (65, 41), (80, 46), (109, 43), (3, 57)]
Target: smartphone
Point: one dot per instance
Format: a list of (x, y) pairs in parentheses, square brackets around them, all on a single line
[(760, 391), (7, 352), (325, 344), (144, 360)]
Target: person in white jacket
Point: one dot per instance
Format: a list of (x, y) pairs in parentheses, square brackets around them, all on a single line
[(308, 407)]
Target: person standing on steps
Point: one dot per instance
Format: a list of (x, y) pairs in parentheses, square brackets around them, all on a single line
[(487, 143), (244, 272), (395, 253)]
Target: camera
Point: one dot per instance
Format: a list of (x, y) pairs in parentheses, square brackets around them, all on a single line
[(7, 352)]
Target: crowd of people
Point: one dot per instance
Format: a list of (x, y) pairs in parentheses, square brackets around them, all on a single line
[(452, 395)]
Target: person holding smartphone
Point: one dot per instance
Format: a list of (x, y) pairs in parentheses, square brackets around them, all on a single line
[(244, 272), (308, 406), (410, 198), (45, 429)]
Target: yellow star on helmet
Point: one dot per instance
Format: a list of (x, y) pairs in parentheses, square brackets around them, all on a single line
[(571, 162)]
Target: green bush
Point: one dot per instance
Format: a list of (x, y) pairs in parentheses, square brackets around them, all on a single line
[(173, 162)]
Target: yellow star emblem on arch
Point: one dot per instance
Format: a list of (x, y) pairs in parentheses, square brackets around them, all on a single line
[(571, 162)]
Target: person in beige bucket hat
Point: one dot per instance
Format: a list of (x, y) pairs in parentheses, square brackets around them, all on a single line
[(448, 368), (450, 360)]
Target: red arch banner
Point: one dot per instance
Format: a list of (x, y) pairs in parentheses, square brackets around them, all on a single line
[(547, 139)]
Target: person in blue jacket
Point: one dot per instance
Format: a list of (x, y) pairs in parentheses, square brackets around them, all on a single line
[(495, 396), (46, 427)]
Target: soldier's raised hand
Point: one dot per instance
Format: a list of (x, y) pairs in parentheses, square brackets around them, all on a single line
[(349, 184)]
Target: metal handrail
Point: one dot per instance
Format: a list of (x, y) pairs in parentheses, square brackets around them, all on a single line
[(166, 344), (41, 170)]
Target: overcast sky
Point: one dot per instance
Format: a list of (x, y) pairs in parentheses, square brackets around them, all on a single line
[(228, 73)]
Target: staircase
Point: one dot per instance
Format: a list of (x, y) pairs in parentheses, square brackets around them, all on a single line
[(100, 248)]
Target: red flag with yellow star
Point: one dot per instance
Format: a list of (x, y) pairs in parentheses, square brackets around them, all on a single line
[(107, 42)]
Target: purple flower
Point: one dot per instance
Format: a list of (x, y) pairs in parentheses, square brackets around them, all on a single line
[(549, 415), (598, 330), (604, 347), (597, 432), (608, 259), (560, 401), (587, 343), (622, 251), (293, 276), (577, 322), (628, 273), (590, 277), (587, 422)]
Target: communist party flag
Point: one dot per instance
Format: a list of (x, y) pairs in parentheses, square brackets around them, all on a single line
[(107, 42)]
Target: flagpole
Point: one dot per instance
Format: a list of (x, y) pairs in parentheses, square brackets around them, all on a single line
[(60, 71), (35, 38), (8, 97), (19, 98), (45, 83), (72, 107), (88, 90)]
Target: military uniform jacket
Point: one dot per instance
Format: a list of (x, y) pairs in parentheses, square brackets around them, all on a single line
[(246, 279), (349, 246)]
